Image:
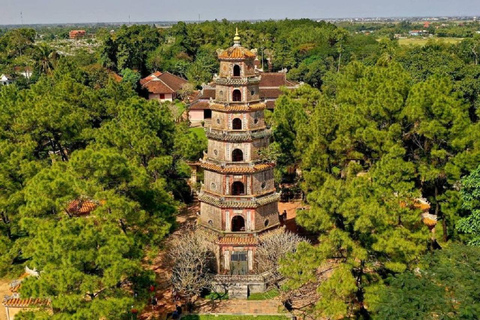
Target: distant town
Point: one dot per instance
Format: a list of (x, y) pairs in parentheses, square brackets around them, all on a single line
[(332, 20)]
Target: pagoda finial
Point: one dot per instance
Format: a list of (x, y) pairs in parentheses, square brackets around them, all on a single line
[(236, 39)]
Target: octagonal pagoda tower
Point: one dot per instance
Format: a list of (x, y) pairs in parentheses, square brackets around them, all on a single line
[(238, 200)]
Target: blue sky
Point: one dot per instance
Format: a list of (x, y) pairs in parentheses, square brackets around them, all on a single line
[(65, 11)]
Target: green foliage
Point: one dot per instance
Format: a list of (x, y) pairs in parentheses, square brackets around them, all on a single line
[(128, 47), (231, 317), (470, 194), (446, 286), (131, 77), (96, 259), (77, 135), (368, 145)]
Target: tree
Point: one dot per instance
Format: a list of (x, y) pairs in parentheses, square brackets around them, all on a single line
[(131, 77), (441, 141), (192, 258), (186, 91), (85, 267), (274, 246), (446, 286), (353, 161), (45, 58), (470, 194)]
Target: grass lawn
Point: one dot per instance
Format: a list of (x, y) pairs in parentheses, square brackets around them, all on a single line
[(225, 317), (423, 41), (264, 295), (200, 132)]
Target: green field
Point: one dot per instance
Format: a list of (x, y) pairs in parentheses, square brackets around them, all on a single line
[(236, 317), (423, 41), (200, 132)]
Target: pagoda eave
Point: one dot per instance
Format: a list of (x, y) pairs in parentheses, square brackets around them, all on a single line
[(225, 203), (237, 169), (238, 107), (233, 136)]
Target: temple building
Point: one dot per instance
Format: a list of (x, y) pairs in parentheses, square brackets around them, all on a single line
[(238, 200)]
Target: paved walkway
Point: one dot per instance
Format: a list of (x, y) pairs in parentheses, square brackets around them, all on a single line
[(260, 307)]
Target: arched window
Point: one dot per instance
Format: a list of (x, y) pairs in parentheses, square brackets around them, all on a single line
[(237, 95), (236, 70), (237, 155), (238, 188), (237, 124), (238, 223)]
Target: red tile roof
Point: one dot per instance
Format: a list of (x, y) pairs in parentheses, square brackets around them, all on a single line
[(25, 303), (270, 104), (256, 168), (156, 86), (236, 53), (200, 105), (270, 93), (81, 207), (238, 240), (207, 93), (172, 80), (162, 83), (273, 79)]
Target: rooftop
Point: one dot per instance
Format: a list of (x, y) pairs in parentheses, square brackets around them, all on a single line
[(25, 303), (236, 51), (165, 82)]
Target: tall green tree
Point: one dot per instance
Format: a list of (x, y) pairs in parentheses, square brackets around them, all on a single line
[(470, 195), (444, 287)]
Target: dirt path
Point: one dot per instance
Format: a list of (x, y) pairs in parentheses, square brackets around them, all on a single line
[(4, 291), (263, 307), (161, 266)]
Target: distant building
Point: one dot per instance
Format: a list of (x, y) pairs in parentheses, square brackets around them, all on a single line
[(26, 72), (269, 91), (415, 33), (13, 304), (270, 84), (5, 80), (199, 110), (162, 86), (77, 34)]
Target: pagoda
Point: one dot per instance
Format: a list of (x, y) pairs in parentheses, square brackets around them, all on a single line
[(238, 200)]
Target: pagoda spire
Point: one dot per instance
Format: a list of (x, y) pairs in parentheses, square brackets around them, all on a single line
[(236, 39)]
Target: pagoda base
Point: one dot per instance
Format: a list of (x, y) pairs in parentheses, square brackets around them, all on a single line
[(240, 286)]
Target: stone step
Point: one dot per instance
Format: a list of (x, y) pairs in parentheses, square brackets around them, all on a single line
[(238, 291)]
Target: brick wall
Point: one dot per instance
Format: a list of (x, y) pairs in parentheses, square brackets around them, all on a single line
[(270, 212), (214, 182), (260, 177), (210, 213)]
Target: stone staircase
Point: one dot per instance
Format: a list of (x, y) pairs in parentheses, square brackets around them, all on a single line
[(238, 291)]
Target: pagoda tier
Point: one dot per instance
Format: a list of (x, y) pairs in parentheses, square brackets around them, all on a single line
[(238, 136), (248, 202)]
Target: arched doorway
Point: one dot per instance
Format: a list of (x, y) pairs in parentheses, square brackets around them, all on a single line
[(238, 224), (237, 124), (238, 188), (236, 70), (237, 95), (237, 155)]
